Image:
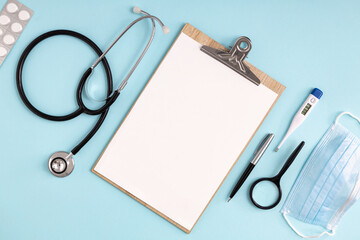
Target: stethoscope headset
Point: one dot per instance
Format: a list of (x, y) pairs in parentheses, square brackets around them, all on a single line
[(61, 163)]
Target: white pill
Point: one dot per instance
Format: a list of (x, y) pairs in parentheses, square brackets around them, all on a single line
[(4, 19), (12, 7), (16, 27), (24, 15), (8, 39), (1, 32), (3, 51)]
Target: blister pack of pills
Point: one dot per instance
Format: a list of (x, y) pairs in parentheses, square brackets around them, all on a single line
[(13, 19)]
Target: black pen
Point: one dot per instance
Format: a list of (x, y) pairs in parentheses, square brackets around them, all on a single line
[(257, 155)]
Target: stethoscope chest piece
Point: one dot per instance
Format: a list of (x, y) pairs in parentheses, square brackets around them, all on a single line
[(61, 164)]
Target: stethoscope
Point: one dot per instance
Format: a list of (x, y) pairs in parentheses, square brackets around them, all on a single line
[(61, 163)]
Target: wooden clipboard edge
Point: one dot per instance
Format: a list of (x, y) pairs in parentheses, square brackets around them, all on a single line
[(142, 202), (203, 39)]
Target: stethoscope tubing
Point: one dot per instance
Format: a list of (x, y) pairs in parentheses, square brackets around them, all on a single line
[(82, 108), (22, 61), (61, 163)]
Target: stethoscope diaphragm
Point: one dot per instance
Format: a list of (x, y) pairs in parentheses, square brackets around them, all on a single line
[(61, 164)]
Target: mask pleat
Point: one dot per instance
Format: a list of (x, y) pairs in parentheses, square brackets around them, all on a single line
[(329, 182), (323, 181), (307, 172), (335, 183)]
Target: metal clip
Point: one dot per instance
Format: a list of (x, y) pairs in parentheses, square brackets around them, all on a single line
[(234, 59)]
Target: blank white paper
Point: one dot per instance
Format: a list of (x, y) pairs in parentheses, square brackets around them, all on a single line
[(185, 132)]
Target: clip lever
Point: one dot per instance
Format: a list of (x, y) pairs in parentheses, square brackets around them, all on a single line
[(234, 59)]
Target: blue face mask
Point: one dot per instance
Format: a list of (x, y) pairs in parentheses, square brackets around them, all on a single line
[(329, 182)]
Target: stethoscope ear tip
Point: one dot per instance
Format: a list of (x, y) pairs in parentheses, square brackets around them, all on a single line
[(136, 9), (165, 29)]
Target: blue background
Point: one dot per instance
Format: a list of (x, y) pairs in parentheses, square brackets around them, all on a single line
[(302, 44)]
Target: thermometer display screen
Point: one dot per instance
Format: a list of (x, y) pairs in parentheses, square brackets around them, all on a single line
[(306, 109)]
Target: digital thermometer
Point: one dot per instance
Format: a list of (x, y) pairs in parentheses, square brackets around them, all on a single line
[(302, 114)]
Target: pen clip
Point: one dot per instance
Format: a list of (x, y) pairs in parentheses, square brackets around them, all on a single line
[(262, 143)]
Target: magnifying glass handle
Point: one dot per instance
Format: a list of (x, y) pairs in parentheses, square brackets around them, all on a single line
[(290, 160)]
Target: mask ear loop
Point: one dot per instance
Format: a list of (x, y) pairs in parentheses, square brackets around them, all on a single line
[(331, 233), (353, 193), (346, 113)]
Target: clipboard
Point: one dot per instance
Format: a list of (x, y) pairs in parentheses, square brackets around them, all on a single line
[(121, 163)]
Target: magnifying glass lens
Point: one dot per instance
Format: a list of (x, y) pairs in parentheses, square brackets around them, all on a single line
[(265, 193)]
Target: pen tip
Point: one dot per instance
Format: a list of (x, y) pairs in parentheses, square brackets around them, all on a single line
[(277, 149), (229, 199)]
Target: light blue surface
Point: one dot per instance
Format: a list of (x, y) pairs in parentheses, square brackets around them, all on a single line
[(302, 44)]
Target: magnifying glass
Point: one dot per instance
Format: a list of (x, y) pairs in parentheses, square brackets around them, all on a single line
[(275, 180)]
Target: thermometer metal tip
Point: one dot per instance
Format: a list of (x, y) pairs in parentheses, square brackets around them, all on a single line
[(302, 113)]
